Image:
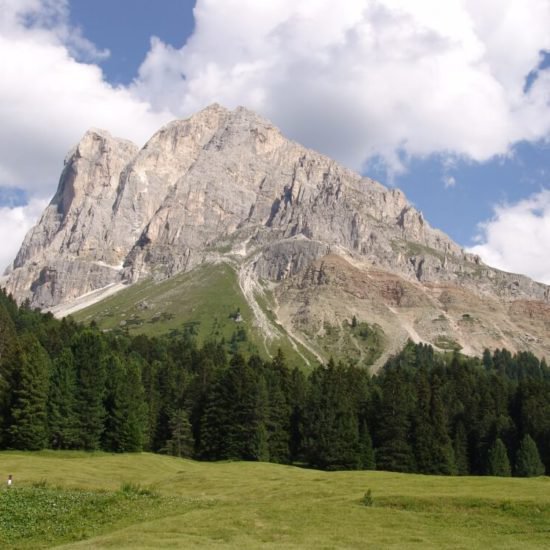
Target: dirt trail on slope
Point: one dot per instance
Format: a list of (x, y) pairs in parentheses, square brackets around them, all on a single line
[(250, 287)]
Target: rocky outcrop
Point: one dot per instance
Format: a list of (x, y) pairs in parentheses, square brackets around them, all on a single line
[(223, 181)]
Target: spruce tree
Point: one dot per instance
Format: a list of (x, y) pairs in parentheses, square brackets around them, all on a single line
[(277, 380), (394, 451), (443, 452), (89, 352), (460, 447), (181, 442), (234, 421), (29, 395), (366, 451), (11, 358), (332, 420), (498, 463), (62, 417), (528, 462), (423, 430), (126, 416), (297, 403)]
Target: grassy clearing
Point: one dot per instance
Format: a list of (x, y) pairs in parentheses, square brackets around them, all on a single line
[(188, 504)]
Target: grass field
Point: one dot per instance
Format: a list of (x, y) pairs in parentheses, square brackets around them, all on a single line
[(79, 500)]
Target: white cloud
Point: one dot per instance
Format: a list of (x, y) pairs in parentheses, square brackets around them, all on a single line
[(516, 239), (358, 80), (366, 78), (449, 181), (48, 99), (14, 224), (50, 94)]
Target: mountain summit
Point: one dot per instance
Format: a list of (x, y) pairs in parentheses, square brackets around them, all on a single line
[(326, 244)]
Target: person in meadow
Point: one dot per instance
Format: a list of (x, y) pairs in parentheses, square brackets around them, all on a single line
[(10, 480)]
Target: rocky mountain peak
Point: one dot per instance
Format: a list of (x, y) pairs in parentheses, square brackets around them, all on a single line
[(226, 185)]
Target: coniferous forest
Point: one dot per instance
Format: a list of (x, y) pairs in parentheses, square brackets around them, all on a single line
[(66, 386)]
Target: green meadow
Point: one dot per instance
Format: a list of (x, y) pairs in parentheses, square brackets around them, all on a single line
[(97, 500)]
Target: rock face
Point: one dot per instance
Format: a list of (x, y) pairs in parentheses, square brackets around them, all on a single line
[(228, 184)]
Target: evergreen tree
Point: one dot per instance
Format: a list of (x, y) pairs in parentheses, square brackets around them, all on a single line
[(332, 420), (89, 352), (394, 451), (11, 358), (443, 453), (126, 409), (528, 462), (277, 380), (181, 442), (498, 463), (62, 417), (235, 415), (487, 360), (297, 403), (29, 394), (423, 429), (460, 447), (366, 451)]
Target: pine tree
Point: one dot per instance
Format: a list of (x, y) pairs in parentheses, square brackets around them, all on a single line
[(366, 450), (332, 420), (29, 394), (443, 453), (394, 452), (62, 417), (233, 424), (11, 359), (126, 416), (277, 423), (297, 403), (423, 429), (181, 442), (460, 447), (528, 462), (90, 354), (498, 463)]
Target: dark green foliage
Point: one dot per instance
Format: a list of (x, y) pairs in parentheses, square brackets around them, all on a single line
[(29, 397), (233, 426), (498, 463), (460, 448), (368, 499), (89, 351), (394, 450), (277, 380), (64, 386), (10, 360), (125, 406), (181, 441), (62, 413), (332, 419), (528, 462)]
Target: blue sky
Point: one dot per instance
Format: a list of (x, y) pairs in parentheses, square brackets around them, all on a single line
[(431, 100)]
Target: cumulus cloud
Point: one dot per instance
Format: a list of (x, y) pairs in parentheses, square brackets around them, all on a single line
[(14, 224), (516, 238), (367, 79), (358, 80), (48, 98)]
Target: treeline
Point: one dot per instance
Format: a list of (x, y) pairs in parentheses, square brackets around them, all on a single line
[(66, 386)]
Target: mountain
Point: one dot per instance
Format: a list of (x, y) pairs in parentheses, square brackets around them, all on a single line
[(324, 258)]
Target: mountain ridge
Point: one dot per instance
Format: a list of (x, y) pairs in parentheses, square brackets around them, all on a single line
[(228, 186)]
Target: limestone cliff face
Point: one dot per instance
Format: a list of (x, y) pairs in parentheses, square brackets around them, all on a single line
[(228, 183)]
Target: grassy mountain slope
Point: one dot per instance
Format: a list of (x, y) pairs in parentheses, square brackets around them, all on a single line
[(208, 301), (186, 504)]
